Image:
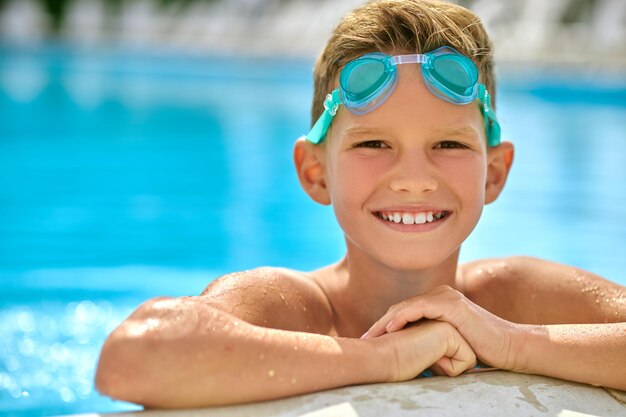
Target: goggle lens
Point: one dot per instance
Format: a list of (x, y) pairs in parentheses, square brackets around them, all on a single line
[(362, 80), (454, 72)]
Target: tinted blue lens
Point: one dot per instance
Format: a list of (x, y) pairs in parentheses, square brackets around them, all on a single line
[(456, 73), (362, 78)]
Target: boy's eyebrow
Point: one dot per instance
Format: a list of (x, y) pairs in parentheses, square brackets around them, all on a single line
[(459, 131), (455, 131), (361, 131)]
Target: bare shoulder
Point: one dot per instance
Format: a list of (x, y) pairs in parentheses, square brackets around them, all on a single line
[(272, 297), (530, 290)]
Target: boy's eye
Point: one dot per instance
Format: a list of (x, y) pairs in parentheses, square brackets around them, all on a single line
[(450, 144), (371, 144)]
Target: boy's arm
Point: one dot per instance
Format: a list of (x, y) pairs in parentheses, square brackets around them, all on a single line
[(590, 353), (180, 353), (559, 303), (533, 292), (189, 352)]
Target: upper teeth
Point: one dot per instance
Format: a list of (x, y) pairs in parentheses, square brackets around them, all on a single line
[(412, 218)]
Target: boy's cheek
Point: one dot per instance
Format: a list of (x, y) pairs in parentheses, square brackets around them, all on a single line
[(470, 173)]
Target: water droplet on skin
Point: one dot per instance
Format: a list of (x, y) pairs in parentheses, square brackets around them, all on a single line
[(295, 348), (226, 328), (303, 308), (261, 356), (293, 380), (282, 297), (271, 373)]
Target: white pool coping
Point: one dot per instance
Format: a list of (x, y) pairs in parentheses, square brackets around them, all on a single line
[(495, 393)]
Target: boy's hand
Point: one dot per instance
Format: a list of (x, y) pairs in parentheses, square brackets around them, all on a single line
[(426, 344), (491, 338)]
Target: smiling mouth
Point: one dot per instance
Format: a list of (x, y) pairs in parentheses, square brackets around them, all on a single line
[(412, 218)]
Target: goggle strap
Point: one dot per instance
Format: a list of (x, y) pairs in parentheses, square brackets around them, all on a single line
[(410, 59), (491, 123), (319, 129), (332, 102)]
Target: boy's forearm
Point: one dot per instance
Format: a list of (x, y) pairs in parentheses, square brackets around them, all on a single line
[(256, 363), (589, 353), (227, 361), (269, 363)]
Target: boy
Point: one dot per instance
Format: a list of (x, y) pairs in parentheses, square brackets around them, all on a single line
[(406, 147)]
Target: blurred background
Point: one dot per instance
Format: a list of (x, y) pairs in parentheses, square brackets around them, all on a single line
[(145, 149)]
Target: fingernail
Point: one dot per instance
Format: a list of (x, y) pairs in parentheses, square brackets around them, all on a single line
[(365, 335), (389, 326)]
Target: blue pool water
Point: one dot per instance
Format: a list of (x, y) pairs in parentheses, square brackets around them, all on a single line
[(125, 176)]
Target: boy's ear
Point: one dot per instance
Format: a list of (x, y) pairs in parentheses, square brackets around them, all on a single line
[(499, 161), (309, 162)]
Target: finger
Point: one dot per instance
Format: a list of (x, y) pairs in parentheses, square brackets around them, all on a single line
[(442, 304), (378, 328), (398, 322), (436, 369), (397, 317), (410, 313), (454, 366), (443, 307), (393, 320), (458, 358)]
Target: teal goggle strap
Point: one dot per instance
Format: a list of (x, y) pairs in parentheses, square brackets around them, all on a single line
[(318, 131), (492, 127)]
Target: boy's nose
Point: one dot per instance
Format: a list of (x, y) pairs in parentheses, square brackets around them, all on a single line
[(413, 173)]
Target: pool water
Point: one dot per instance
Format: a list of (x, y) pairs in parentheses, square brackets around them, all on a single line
[(127, 175)]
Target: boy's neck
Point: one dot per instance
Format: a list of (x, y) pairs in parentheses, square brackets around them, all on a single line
[(361, 290)]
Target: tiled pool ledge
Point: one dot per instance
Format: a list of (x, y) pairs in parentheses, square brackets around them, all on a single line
[(496, 393)]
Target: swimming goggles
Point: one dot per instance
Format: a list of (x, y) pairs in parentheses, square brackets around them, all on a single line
[(366, 82)]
